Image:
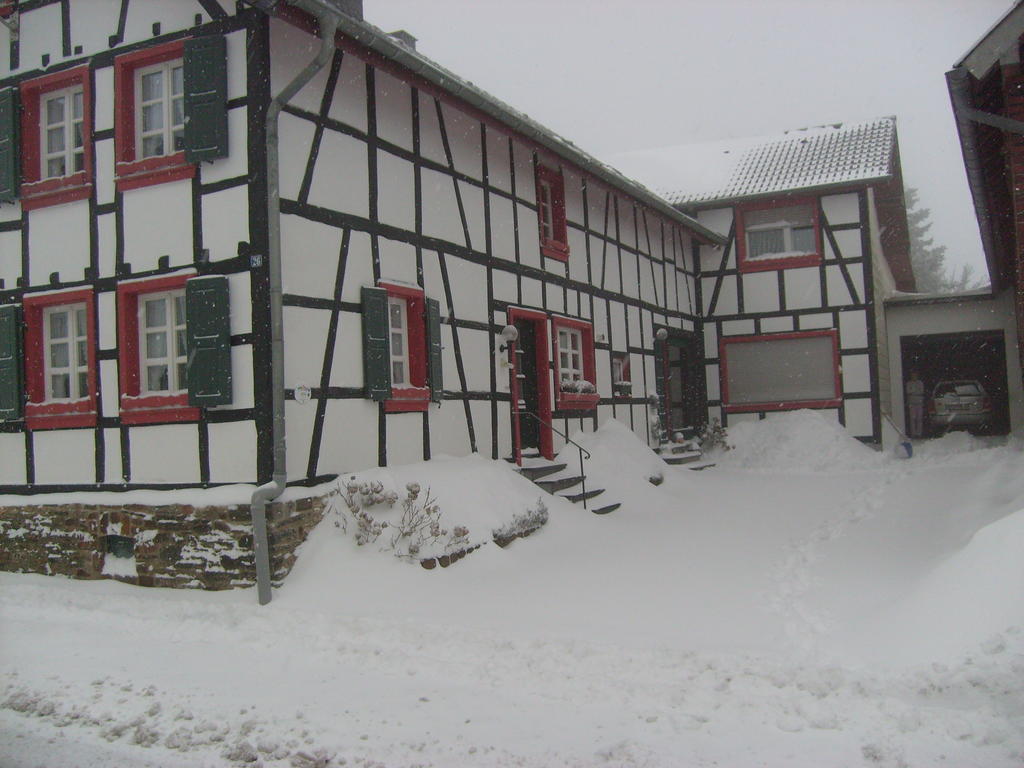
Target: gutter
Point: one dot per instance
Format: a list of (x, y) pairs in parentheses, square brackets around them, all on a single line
[(958, 83), (328, 25)]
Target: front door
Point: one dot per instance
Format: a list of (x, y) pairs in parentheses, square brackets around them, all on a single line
[(682, 382), (531, 390), (526, 374)]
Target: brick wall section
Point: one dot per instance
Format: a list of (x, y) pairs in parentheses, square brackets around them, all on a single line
[(174, 545)]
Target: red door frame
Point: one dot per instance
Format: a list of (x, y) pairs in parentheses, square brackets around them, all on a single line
[(540, 330)]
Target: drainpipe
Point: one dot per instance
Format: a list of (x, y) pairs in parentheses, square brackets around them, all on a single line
[(328, 25)]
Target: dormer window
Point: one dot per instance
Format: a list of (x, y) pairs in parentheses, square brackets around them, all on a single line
[(778, 235)]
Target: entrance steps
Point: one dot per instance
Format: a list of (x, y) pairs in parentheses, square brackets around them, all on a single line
[(555, 478)]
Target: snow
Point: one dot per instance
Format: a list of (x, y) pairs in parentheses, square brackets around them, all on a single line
[(806, 602)]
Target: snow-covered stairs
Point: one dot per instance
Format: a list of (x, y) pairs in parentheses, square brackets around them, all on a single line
[(686, 451), (556, 478)]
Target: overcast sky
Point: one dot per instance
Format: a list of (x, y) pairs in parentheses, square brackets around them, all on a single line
[(617, 75)]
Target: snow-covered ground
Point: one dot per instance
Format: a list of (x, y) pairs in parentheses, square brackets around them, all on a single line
[(806, 602)]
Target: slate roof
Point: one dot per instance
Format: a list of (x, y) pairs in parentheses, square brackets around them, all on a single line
[(807, 158)]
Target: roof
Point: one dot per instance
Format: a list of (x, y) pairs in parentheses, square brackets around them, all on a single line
[(803, 159), (391, 48), (1000, 38)]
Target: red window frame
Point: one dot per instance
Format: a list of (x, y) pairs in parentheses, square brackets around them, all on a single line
[(786, 262), (149, 409), (130, 172), (6, 7), (575, 401), (37, 192), (556, 246), (39, 413), (832, 402), (415, 397)]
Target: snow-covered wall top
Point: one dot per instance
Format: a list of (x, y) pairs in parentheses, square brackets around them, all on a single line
[(806, 158)]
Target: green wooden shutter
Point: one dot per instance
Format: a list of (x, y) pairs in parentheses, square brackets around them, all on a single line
[(10, 171), (10, 363), (434, 349), (376, 351), (660, 351), (208, 332), (206, 97)]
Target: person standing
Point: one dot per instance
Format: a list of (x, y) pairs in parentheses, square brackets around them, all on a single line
[(915, 404)]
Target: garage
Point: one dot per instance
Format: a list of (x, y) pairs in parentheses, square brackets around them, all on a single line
[(953, 362)]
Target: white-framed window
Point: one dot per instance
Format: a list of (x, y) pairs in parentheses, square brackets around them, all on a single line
[(398, 327), (570, 355), (61, 140), (160, 109), (780, 232), (66, 349), (163, 351)]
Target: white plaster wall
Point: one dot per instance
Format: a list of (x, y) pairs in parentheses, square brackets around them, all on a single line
[(148, 237), (464, 140), (978, 315), (498, 167), (225, 222), (349, 102), (50, 246), (40, 34), (440, 208), (396, 184), (777, 324), (151, 462), (237, 161), (10, 257), (64, 456), (349, 438), (394, 109), (761, 292), (347, 370), (803, 288), (305, 335), (405, 438), (112, 455), (858, 417), (856, 374), (814, 322), (12, 459), (299, 417), (104, 174), (841, 209), (398, 262), (233, 452), (341, 178)]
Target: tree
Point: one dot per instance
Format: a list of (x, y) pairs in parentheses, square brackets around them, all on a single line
[(927, 259)]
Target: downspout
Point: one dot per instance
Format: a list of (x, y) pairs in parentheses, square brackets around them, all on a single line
[(328, 25)]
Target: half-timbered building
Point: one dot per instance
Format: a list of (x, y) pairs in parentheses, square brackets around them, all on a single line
[(266, 242), (816, 236)]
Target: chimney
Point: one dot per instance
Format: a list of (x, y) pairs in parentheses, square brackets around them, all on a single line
[(353, 8), (404, 38)]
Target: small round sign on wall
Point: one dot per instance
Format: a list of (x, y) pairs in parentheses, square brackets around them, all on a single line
[(303, 394)]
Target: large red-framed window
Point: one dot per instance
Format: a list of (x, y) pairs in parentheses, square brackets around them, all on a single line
[(407, 343), (554, 237), (152, 357), (60, 360), (575, 369), (780, 371), (56, 133), (149, 116), (778, 234)]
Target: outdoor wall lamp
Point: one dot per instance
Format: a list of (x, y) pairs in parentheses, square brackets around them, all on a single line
[(509, 334)]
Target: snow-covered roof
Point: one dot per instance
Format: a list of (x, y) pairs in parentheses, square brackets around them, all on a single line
[(826, 155)]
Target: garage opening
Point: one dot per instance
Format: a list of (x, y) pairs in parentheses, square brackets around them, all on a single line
[(952, 362)]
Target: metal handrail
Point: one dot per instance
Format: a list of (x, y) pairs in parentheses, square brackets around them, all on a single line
[(580, 448)]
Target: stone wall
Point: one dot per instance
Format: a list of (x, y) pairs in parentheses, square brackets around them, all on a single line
[(208, 547)]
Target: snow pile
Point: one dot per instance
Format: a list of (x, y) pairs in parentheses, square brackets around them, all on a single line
[(798, 441)]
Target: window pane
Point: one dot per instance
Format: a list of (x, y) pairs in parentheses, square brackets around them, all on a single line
[(76, 105), (803, 240), (181, 345), (82, 354), (156, 378), (178, 112), (179, 309), (156, 345), (783, 370), (55, 110), (79, 161), (58, 325), (574, 341), (765, 241), (396, 315), (397, 344), (83, 385), (80, 326), (397, 372), (182, 376), (60, 386), (77, 132), (55, 140), (156, 313), (152, 86), (563, 360), (791, 215), (177, 80), (59, 355), (152, 117), (152, 146), (55, 167)]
